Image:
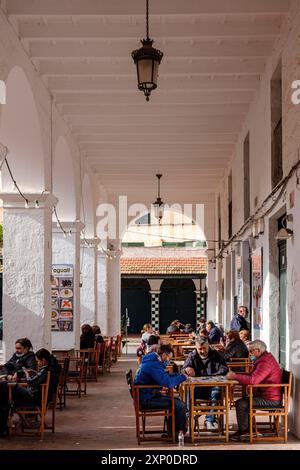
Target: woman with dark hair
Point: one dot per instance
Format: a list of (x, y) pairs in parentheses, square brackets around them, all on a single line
[(235, 347), (87, 337), (97, 333), (23, 357), (30, 395)]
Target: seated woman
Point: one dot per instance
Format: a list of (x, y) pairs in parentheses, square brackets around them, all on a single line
[(153, 343), (23, 357), (87, 337), (245, 336), (97, 333), (147, 331), (235, 347), (30, 395)]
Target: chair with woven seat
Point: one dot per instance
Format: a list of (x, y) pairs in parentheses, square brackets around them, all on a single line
[(270, 430), (33, 411), (141, 414), (78, 373)]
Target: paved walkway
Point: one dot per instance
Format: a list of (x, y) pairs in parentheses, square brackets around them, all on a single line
[(104, 419)]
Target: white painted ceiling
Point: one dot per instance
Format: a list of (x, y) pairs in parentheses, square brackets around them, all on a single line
[(214, 54)]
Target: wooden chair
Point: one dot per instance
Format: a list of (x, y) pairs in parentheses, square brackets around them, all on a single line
[(93, 362), (203, 407), (243, 365), (119, 345), (52, 403), (62, 387), (28, 411), (108, 355), (102, 357), (273, 427), (78, 373), (141, 414)]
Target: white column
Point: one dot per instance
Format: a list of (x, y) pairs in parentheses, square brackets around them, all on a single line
[(66, 250), (114, 296), (27, 270), (88, 297), (102, 293), (227, 300), (212, 302)]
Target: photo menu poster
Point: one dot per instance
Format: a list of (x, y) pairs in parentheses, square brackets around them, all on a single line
[(62, 297), (257, 289)]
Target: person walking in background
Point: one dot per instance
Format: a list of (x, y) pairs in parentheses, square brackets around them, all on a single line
[(239, 321)]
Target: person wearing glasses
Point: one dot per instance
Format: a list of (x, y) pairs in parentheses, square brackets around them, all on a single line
[(152, 371), (239, 321)]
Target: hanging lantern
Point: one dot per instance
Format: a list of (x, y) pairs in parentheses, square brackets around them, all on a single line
[(158, 205), (147, 60)]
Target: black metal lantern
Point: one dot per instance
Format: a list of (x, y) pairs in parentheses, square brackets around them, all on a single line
[(147, 60), (158, 205)]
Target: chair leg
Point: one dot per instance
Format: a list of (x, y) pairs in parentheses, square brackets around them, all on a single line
[(285, 427), (53, 420), (251, 427)]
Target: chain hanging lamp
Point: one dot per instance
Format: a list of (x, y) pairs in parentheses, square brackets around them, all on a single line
[(147, 60), (158, 205)]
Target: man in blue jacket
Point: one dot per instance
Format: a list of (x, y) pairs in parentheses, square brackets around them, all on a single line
[(152, 371), (239, 321)]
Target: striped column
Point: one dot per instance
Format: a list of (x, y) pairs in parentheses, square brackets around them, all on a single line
[(155, 309), (198, 305)]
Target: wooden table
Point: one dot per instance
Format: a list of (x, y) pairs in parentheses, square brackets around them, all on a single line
[(220, 409)]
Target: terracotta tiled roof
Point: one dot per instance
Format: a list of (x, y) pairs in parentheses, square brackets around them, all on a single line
[(163, 266)]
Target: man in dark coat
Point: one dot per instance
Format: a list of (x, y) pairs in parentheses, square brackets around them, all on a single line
[(214, 333), (239, 321), (205, 361)]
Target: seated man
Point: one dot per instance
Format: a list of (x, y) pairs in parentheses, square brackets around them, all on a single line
[(173, 328), (204, 361), (266, 370), (23, 357), (214, 333), (152, 372)]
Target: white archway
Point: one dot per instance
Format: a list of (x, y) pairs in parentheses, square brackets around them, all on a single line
[(20, 132)]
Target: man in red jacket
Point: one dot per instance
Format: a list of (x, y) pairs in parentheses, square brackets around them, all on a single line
[(266, 370)]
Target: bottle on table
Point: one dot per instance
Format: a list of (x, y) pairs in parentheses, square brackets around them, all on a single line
[(181, 439)]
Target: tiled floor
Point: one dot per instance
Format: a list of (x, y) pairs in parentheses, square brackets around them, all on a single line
[(104, 419)]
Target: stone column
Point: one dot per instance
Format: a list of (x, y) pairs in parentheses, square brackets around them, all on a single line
[(155, 292), (88, 297), (66, 250), (114, 291), (27, 270), (155, 309), (102, 297)]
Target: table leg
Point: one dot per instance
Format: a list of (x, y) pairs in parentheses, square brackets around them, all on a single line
[(227, 406)]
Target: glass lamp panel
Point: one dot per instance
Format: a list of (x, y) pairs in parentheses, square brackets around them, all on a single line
[(145, 70)]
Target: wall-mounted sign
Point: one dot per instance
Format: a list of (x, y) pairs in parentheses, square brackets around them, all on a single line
[(257, 289), (62, 297)]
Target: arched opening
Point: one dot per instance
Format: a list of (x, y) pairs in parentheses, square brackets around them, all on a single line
[(136, 299), (177, 301), (64, 181), (20, 132)]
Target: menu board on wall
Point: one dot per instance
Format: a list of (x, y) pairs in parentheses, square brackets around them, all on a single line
[(257, 289), (62, 297)]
